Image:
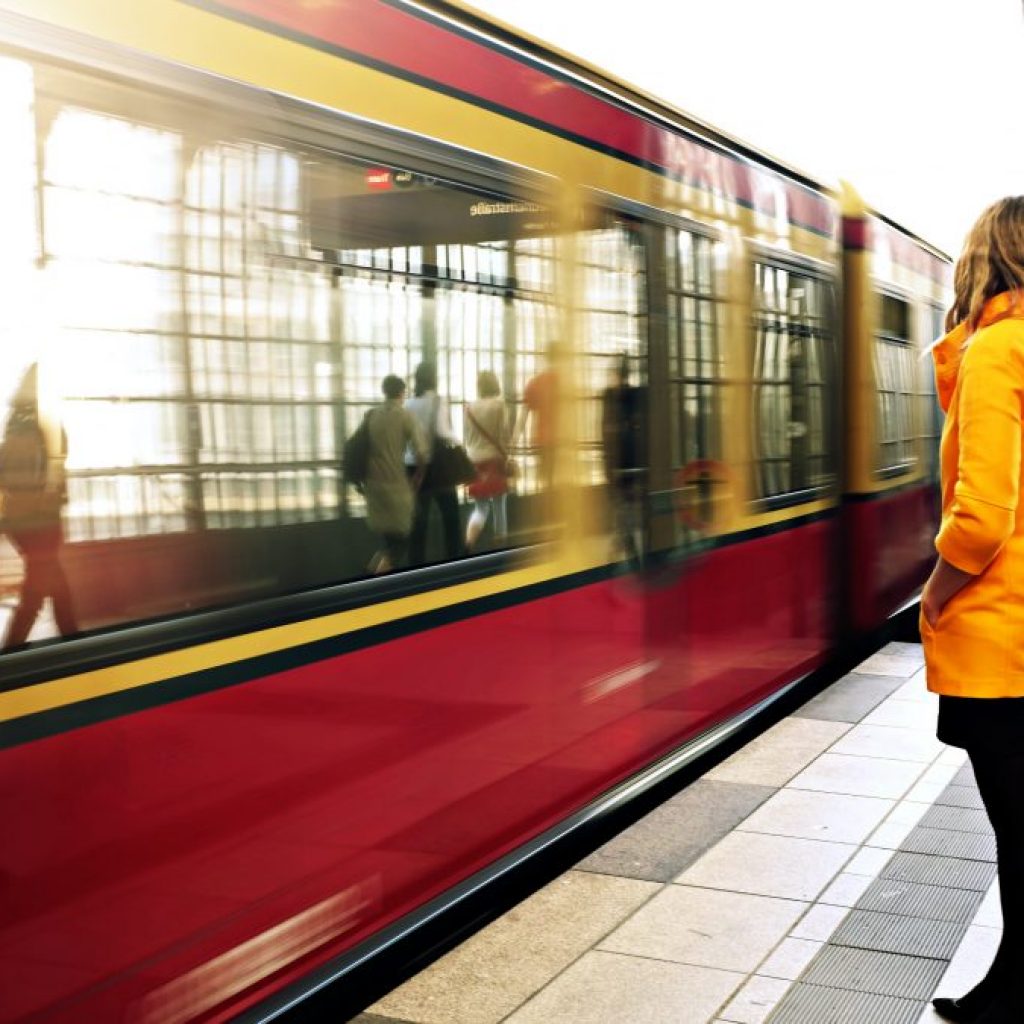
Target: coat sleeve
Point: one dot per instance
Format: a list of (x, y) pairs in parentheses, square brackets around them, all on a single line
[(983, 512)]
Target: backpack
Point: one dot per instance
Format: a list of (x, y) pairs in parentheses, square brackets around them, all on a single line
[(355, 456), (23, 458)]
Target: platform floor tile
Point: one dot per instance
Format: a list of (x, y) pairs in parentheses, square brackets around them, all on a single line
[(756, 1000), (493, 972), (911, 899), (892, 661), (845, 890), (780, 753), (807, 815), (961, 796), (884, 974), (767, 865), (609, 988), (813, 1004), (851, 699), (990, 913), (677, 833), (859, 776), (889, 741), (706, 928), (957, 819), (790, 958), (943, 843), (949, 872), (905, 714), (891, 933)]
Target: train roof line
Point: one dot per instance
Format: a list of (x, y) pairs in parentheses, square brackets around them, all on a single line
[(590, 74), (923, 242)]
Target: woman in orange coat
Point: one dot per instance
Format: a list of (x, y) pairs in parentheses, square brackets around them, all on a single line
[(972, 609)]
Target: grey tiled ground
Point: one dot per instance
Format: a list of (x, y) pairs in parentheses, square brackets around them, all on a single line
[(851, 699), (901, 936), (669, 839)]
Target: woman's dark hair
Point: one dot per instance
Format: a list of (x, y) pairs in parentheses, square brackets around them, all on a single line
[(487, 385), (393, 386), (425, 379), (992, 262)]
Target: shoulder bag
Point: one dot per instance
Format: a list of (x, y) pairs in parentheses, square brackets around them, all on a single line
[(449, 464), (492, 475)]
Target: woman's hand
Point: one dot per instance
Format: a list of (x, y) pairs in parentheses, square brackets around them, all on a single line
[(930, 608), (944, 583)]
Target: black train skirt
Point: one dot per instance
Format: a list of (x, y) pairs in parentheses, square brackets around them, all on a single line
[(993, 725)]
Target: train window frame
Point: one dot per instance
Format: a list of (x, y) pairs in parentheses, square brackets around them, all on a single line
[(906, 399), (292, 126), (654, 224), (631, 217), (783, 260), (931, 415)]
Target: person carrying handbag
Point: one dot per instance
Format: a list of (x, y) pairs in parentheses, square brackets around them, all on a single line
[(487, 436), (432, 413)]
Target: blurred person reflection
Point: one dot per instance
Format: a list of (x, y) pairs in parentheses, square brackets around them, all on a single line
[(623, 448), (488, 431), (33, 491), (972, 607), (390, 490), (434, 418), (537, 416)]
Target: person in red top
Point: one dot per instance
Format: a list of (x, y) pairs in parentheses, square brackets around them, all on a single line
[(540, 401)]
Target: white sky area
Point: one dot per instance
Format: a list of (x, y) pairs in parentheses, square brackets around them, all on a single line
[(915, 102)]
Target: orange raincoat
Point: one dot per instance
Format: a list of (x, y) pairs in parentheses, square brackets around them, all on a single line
[(976, 648)]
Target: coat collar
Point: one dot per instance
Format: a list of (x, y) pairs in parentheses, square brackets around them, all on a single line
[(948, 351)]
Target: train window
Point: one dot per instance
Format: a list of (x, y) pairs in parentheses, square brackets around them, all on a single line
[(930, 410), (694, 352), (612, 333), (793, 357), (212, 314), (896, 383)]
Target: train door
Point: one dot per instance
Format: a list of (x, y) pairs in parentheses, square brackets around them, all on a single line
[(649, 331), (650, 372)]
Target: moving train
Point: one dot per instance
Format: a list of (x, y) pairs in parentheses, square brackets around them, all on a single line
[(250, 763)]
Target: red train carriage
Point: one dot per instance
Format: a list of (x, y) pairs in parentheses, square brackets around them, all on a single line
[(227, 222)]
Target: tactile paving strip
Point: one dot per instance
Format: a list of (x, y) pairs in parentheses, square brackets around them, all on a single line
[(812, 1004), (948, 872), (957, 819), (885, 974), (890, 933), (886, 957), (942, 843), (961, 796), (910, 899)]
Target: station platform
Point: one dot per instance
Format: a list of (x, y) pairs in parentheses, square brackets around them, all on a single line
[(839, 869)]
